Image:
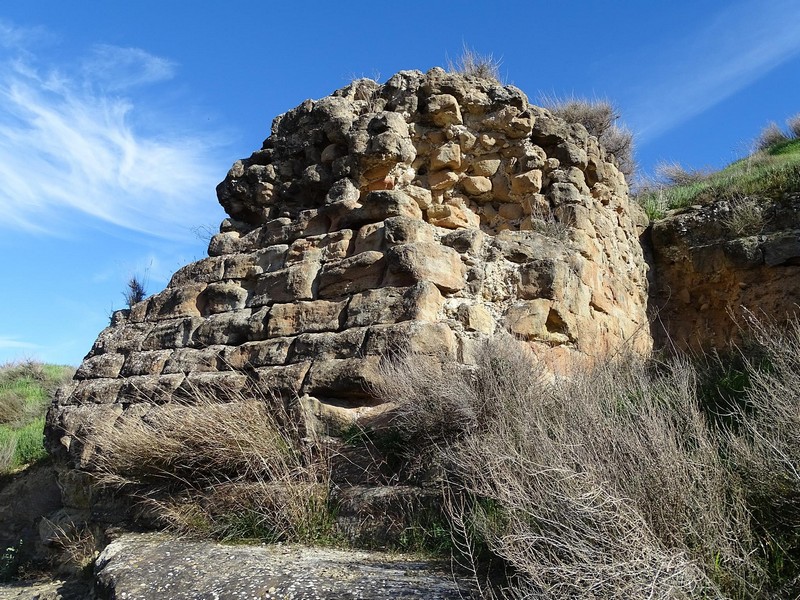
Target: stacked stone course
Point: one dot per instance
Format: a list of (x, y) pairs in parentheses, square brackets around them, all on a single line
[(421, 214)]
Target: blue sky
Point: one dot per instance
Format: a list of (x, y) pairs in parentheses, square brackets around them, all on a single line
[(117, 119)]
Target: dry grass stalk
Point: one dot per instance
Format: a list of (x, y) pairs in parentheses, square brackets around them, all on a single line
[(473, 64), (225, 463), (601, 119), (794, 125), (605, 485), (746, 217), (771, 135)]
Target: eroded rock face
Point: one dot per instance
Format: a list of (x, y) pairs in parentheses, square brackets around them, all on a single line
[(712, 264), (151, 567), (422, 214)]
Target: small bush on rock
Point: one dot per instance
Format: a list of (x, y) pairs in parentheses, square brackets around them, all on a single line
[(601, 120), (473, 64)]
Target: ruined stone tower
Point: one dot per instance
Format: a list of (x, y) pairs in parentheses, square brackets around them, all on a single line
[(421, 214)]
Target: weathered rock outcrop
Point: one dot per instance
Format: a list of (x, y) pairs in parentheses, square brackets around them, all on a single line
[(151, 567), (421, 214), (713, 262)]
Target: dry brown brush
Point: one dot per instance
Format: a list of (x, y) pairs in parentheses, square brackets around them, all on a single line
[(765, 449), (608, 484), (229, 463)]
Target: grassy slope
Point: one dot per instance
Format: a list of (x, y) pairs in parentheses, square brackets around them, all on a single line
[(763, 174), (25, 392)]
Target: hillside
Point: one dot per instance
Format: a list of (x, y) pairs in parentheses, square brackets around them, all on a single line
[(26, 389)]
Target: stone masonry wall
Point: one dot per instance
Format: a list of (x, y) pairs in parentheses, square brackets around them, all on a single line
[(422, 214)]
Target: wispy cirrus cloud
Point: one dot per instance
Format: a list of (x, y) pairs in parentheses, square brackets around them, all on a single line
[(712, 61), (89, 141), (12, 343)]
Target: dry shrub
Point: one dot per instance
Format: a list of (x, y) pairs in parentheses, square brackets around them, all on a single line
[(675, 174), (608, 484), (12, 407), (474, 64), (601, 120), (770, 136), (76, 545), (746, 216), (226, 462), (794, 125), (766, 449)]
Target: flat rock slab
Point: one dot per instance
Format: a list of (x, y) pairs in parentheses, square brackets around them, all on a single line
[(155, 566)]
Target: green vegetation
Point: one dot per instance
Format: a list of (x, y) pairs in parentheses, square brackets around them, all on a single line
[(766, 174), (25, 392)]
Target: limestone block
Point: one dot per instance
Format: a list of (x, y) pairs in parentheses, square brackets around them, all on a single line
[(378, 206), (285, 381), (475, 317), (476, 186), (411, 263), (262, 353), (370, 238), (102, 365), (355, 274), (404, 230), (205, 270), (466, 241), (285, 230), (184, 360), (326, 345), (296, 282), (145, 363), (447, 156), (527, 183), (452, 216), (529, 319), (96, 391), (305, 317), (225, 328), (175, 333), (241, 266), (347, 378), (486, 166), (430, 339), (223, 243), (215, 383), (330, 246), (390, 305), (510, 211), (511, 121), (422, 196), (175, 302), (221, 297), (564, 193), (444, 110), (442, 180)]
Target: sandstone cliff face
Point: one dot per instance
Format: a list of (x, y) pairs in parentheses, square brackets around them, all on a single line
[(421, 214), (708, 270)]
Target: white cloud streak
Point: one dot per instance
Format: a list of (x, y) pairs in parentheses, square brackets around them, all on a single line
[(72, 145), (11, 343), (744, 42)]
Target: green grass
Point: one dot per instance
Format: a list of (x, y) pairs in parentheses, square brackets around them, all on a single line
[(25, 392), (766, 174)]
